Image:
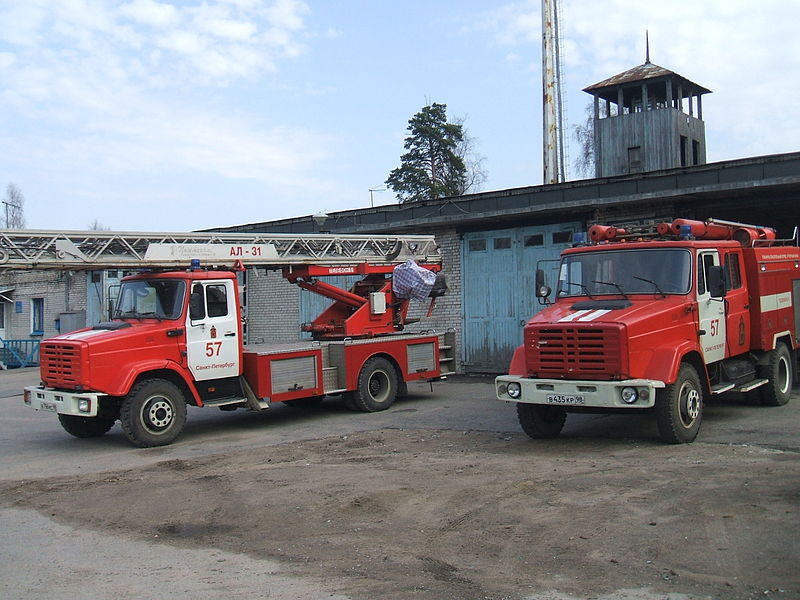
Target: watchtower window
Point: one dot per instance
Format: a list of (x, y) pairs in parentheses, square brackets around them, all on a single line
[(635, 159)]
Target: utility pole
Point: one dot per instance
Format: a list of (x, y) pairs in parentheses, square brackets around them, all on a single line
[(371, 190), (552, 97), (7, 205)]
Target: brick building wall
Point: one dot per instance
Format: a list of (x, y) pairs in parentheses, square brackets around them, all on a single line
[(60, 292), (273, 308)]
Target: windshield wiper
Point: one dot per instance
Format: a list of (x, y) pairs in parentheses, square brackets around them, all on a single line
[(655, 285), (128, 314), (616, 285), (580, 285), (151, 314)]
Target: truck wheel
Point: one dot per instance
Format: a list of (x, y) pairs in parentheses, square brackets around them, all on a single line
[(679, 407), (541, 422), (377, 386), (780, 375), (153, 413), (85, 427)]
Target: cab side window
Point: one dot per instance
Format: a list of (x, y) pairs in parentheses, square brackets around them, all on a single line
[(706, 260), (216, 300), (733, 275)]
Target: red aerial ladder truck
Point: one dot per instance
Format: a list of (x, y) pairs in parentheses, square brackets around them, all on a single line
[(660, 320), (176, 336)]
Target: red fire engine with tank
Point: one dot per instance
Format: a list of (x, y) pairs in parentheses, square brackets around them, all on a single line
[(176, 337), (660, 321)]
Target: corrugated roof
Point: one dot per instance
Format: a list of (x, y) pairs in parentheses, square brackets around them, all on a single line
[(644, 72)]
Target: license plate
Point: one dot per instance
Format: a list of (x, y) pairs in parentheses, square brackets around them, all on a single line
[(49, 406), (565, 399)]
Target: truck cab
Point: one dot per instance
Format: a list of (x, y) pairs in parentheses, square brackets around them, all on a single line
[(181, 328)]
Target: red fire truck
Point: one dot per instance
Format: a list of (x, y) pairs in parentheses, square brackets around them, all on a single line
[(176, 336), (659, 320)]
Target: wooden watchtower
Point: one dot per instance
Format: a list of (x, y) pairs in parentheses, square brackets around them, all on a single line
[(646, 119)]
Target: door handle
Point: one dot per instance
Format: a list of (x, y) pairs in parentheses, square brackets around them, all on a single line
[(230, 335)]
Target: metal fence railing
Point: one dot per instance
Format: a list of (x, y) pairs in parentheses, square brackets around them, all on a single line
[(18, 353)]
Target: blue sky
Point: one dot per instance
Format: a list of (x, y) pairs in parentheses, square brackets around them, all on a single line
[(171, 116)]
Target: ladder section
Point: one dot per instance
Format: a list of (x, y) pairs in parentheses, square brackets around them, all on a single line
[(84, 250)]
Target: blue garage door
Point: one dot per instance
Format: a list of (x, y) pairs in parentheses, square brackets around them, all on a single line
[(499, 275)]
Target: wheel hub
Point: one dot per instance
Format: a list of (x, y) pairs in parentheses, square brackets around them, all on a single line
[(690, 408), (158, 414), (378, 386)]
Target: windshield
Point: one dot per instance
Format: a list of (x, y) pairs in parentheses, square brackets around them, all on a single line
[(658, 271), (154, 298)]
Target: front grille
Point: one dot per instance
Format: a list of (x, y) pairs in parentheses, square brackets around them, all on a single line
[(574, 352), (60, 364)]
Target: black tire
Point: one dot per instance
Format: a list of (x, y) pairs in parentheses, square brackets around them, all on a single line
[(377, 386), (85, 427), (348, 401), (679, 407), (779, 372), (153, 413), (540, 421), (309, 403)]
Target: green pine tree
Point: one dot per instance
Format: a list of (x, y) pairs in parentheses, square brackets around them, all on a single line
[(431, 168)]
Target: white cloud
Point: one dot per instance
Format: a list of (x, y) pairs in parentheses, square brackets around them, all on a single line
[(149, 12), (22, 22), (287, 14), (7, 59), (121, 87), (183, 42)]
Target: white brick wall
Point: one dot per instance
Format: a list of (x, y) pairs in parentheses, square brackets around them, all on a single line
[(62, 291), (273, 308)]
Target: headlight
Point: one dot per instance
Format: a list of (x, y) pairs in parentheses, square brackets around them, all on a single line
[(514, 390), (630, 395), (84, 405)]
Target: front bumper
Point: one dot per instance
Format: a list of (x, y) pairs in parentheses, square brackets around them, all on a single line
[(578, 393), (63, 403)]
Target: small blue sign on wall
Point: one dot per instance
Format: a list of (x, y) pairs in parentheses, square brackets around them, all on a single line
[(18, 306)]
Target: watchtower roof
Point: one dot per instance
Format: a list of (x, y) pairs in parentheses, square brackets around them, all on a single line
[(607, 89)]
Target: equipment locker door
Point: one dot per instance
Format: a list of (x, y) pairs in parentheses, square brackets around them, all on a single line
[(212, 328)]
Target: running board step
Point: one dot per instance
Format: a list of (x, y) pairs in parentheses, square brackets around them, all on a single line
[(721, 388), (751, 385), (226, 401)]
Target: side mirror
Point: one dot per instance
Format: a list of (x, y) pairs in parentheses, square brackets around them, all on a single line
[(542, 289), (716, 281), (196, 309)]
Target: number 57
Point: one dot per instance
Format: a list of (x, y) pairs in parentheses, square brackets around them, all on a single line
[(714, 327)]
